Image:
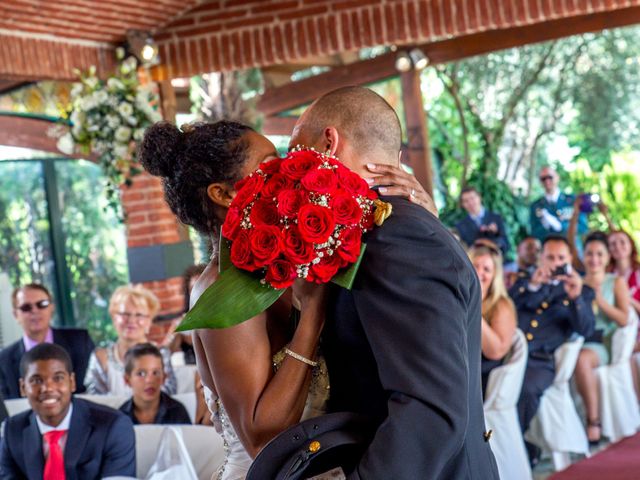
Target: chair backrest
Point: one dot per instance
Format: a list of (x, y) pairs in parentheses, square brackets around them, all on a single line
[(113, 401), (185, 378), (624, 339), (505, 381), (204, 444), (16, 405), (189, 402), (566, 357)]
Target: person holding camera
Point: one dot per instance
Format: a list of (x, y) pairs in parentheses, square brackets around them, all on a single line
[(552, 305), (479, 222), (550, 214)]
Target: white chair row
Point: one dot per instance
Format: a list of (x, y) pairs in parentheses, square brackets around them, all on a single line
[(17, 405)]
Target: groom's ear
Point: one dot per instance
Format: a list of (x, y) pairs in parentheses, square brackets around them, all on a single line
[(220, 194), (331, 138)]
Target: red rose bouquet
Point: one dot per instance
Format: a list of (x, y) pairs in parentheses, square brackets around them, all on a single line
[(298, 217)]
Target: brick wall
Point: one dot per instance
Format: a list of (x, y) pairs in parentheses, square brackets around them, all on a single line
[(151, 222), (234, 34)]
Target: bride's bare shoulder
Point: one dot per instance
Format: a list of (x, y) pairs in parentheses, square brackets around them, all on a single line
[(205, 280)]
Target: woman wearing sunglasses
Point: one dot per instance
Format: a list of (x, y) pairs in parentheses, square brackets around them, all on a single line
[(498, 312), (132, 309)]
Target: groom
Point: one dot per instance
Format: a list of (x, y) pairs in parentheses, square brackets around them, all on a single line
[(403, 346)]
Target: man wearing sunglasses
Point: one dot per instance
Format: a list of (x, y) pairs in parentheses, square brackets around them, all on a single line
[(33, 309), (551, 213)]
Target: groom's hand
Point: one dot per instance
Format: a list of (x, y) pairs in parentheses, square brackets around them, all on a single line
[(395, 181)]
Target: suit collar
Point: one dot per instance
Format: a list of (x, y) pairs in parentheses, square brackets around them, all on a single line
[(32, 449), (79, 431)]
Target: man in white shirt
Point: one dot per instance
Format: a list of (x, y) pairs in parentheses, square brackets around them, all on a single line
[(61, 437)]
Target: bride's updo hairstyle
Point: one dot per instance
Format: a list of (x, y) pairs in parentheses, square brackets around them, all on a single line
[(191, 159)]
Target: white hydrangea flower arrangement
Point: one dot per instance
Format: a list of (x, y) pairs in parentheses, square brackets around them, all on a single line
[(107, 118)]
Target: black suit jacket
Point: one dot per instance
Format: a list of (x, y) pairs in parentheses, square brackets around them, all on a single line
[(75, 341), (403, 347), (100, 443), (469, 232)]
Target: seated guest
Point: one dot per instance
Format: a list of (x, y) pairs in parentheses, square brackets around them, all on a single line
[(63, 437), (144, 373), (498, 312), (527, 261), (552, 305), (479, 222), (132, 310), (33, 309), (611, 311)]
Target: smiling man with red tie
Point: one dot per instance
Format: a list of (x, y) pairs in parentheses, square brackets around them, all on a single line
[(61, 437)]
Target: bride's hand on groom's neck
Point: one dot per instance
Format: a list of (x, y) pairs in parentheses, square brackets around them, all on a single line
[(394, 181)]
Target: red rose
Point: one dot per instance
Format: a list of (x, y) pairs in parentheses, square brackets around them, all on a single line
[(321, 180), (372, 194), (352, 182), (315, 223), (241, 255), (270, 167), (295, 248), (231, 225), (367, 219), (276, 184), (264, 212), (350, 243), (281, 274), (324, 271), (265, 244), (346, 209), (297, 164), (247, 189), (290, 201)]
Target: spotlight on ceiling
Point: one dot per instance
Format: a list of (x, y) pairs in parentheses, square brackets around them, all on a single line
[(419, 59), (141, 45), (403, 61)]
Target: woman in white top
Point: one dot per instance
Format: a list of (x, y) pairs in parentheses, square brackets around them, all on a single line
[(132, 309)]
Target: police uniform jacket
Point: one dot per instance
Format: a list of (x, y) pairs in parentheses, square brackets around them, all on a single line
[(548, 317)]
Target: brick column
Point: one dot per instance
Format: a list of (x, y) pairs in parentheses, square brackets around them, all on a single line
[(158, 245)]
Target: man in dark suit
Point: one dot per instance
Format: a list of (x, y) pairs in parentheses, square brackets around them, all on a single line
[(62, 436), (479, 222), (552, 305), (403, 346), (33, 309)]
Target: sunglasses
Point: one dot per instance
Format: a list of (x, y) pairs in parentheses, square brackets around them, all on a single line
[(40, 305), (545, 178)]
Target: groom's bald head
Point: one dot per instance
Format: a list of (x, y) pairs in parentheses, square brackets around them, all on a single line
[(361, 116)]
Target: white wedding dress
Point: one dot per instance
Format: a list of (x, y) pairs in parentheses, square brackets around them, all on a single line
[(237, 460)]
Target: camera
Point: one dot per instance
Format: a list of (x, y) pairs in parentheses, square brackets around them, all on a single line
[(588, 201), (561, 270)]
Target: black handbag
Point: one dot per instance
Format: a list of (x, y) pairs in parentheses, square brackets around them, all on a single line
[(313, 447)]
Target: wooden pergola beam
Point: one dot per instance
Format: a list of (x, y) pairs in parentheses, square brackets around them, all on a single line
[(284, 98)]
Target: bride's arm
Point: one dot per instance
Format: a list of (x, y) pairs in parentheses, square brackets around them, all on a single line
[(260, 403)]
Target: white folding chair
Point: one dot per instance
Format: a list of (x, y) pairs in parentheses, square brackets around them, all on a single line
[(619, 411), (501, 415), (189, 402), (16, 405), (185, 378), (557, 428), (204, 444), (113, 401)]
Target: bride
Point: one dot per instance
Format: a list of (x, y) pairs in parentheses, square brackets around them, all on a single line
[(265, 374)]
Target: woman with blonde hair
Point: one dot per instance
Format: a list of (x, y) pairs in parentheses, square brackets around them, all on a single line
[(132, 309), (498, 311)]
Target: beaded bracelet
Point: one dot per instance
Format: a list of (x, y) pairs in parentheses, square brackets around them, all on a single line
[(300, 358)]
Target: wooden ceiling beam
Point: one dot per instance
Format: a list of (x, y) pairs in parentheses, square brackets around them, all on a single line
[(285, 97)]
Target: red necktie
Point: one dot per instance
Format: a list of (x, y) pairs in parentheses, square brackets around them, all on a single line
[(54, 468)]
